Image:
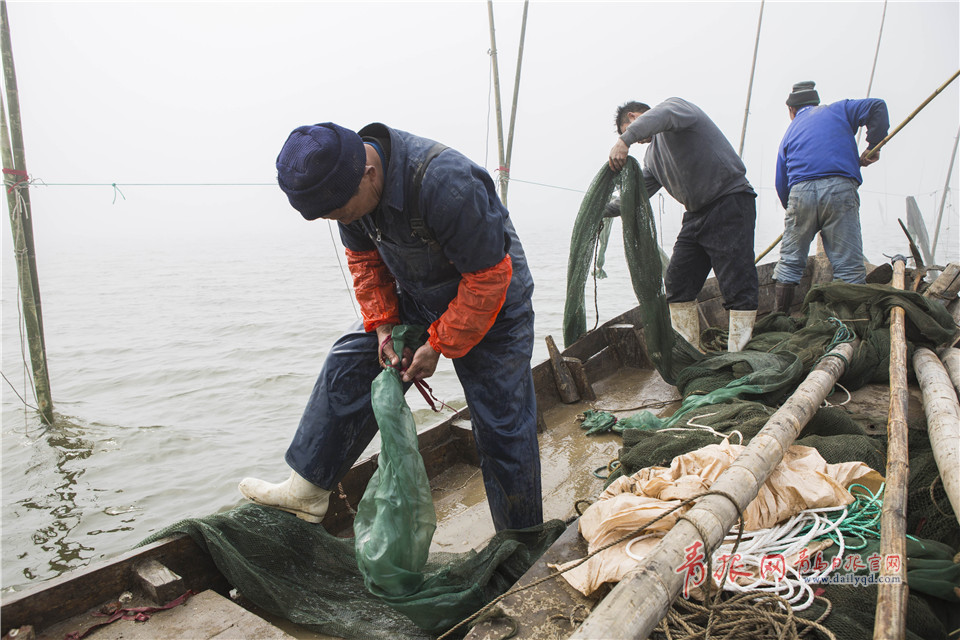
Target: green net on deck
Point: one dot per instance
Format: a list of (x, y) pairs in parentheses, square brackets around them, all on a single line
[(734, 394)]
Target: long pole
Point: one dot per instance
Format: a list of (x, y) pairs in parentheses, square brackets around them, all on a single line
[(505, 169), (891, 613), (639, 601), (18, 203), (910, 117), (943, 199), (876, 54), (496, 91), (753, 68)]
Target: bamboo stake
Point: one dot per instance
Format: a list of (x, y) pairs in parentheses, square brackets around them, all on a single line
[(943, 198), (753, 69), (496, 93), (513, 111), (638, 603), (18, 204), (890, 617), (943, 421)]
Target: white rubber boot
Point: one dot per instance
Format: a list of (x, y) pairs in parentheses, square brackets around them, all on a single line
[(295, 495), (686, 321), (741, 329)]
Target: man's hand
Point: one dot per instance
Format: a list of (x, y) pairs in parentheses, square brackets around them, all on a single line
[(618, 155), (389, 356), (424, 364), (865, 161)]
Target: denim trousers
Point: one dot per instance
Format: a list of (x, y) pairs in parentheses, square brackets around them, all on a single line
[(832, 207)]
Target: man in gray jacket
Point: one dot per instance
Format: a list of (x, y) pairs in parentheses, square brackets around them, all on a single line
[(690, 157)]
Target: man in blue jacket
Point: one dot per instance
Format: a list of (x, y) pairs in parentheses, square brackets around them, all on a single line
[(818, 173), (428, 242)]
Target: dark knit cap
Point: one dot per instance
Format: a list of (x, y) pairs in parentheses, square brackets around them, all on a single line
[(803, 93), (320, 167)]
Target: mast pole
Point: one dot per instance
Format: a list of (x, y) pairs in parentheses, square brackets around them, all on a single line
[(753, 69), (505, 169), (943, 199), (876, 54), (18, 204), (496, 90)]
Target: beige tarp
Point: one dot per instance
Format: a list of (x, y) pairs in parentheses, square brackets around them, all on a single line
[(803, 480)]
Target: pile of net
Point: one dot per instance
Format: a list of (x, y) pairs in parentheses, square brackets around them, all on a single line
[(734, 394)]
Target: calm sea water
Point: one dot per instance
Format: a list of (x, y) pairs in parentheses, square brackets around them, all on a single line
[(178, 368)]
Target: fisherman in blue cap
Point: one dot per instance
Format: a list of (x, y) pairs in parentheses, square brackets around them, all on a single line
[(427, 242)]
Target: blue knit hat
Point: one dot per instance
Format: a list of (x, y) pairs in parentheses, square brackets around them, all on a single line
[(320, 167)]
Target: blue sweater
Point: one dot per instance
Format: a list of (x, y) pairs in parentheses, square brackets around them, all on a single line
[(820, 141)]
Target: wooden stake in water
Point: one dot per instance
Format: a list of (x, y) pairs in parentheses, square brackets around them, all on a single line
[(18, 203)]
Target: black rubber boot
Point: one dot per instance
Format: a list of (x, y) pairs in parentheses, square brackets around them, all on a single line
[(784, 297)]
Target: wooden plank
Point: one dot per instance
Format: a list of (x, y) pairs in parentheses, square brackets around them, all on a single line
[(78, 591), (205, 616), (561, 374), (602, 364), (947, 284)]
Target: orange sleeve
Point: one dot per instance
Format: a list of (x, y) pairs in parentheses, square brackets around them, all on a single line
[(373, 285), (472, 312)]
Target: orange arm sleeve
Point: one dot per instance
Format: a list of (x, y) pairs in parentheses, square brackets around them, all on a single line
[(373, 285), (472, 312)]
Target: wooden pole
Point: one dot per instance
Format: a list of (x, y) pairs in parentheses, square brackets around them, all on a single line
[(513, 111), (637, 604), (768, 249), (18, 203), (911, 116), (890, 617), (876, 54), (753, 69), (943, 421), (496, 93)]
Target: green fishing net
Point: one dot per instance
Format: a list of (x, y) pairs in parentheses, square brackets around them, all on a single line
[(383, 583), (668, 352)]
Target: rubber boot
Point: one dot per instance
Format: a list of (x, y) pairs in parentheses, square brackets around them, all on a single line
[(295, 495), (741, 329), (686, 321), (783, 295)]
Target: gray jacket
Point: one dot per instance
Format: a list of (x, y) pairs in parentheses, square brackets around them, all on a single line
[(689, 155)]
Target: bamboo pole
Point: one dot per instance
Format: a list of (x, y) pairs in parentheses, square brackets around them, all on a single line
[(638, 603), (943, 198), (753, 69), (496, 93), (513, 110), (943, 421), (18, 204), (910, 117), (876, 54), (890, 617)]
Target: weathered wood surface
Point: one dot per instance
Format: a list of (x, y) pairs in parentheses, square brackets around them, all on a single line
[(550, 609), (950, 356), (561, 374), (942, 409), (891, 613), (947, 284), (205, 616), (78, 591), (638, 603)]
